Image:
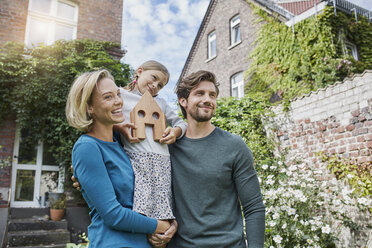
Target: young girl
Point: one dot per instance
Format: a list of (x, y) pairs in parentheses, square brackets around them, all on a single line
[(150, 159)]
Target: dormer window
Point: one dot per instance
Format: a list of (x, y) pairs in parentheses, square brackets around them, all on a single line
[(351, 50)]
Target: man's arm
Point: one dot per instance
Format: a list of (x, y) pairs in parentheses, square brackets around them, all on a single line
[(250, 196)]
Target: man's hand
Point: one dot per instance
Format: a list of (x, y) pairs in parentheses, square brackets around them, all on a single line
[(170, 135), (75, 183), (126, 130), (161, 240)]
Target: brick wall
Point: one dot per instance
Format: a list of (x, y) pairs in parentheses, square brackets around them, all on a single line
[(7, 133), (13, 15), (100, 20), (336, 120), (229, 60)]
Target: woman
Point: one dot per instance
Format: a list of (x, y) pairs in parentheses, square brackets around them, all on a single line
[(102, 167)]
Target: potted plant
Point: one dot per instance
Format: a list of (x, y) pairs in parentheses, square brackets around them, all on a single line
[(58, 207)]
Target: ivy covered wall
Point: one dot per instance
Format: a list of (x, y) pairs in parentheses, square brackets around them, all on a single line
[(34, 84), (287, 64)]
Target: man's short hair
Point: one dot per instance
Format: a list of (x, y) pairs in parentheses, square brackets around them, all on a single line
[(191, 81)]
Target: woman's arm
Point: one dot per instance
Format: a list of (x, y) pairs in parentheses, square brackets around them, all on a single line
[(90, 170)]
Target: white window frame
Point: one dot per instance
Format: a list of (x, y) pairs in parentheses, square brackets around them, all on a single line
[(38, 168), (212, 38), (234, 26), (353, 48), (52, 19), (239, 85)]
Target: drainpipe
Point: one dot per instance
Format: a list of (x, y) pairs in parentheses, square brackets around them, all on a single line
[(355, 13)]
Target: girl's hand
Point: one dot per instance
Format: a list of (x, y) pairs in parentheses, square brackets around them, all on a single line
[(160, 240), (126, 130), (170, 135)]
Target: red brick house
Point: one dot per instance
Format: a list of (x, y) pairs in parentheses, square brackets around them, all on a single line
[(45, 21)]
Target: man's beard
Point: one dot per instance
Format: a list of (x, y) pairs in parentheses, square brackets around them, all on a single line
[(200, 117)]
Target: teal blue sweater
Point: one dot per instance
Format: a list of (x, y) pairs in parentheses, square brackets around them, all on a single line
[(211, 176), (107, 182)]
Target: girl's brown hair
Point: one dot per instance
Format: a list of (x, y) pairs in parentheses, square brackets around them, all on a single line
[(148, 65)]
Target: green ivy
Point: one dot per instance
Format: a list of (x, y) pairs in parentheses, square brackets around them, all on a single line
[(290, 64), (357, 175), (34, 84), (245, 117)]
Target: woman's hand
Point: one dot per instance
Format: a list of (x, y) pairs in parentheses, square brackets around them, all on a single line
[(125, 129), (170, 135), (160, 240)]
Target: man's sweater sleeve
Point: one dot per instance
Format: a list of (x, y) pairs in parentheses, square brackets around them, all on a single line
[(91, 172), (249, 193)]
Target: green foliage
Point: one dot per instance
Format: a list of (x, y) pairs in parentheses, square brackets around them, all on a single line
[(291, 64), (34, 83), (59, 203), (358, 176), (245, 117)]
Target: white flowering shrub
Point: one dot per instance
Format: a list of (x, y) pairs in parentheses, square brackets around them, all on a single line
[(307, 207)]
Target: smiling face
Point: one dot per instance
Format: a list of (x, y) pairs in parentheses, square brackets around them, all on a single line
[(150, 80), (106, 103), (201, 103)]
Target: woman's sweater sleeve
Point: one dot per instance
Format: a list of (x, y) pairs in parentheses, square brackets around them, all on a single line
[(90, 170)]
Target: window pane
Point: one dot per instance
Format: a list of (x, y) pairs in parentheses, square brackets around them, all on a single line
[(48, 157), (27, 153), (38, 32), (213, 48), (63, 32), (236, 34), (66, 11), (25, 185), (48, 182), (241, 87), (41, 5), (238, 77), (235, 92)]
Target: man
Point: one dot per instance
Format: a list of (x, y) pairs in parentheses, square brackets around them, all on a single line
[(212, 176)]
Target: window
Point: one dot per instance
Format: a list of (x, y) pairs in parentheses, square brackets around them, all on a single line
[(34, 172), (237, 85), (235, 30), (212, 45), (50, 20), (351, 49)]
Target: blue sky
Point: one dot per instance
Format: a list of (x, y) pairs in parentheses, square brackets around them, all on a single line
[(164, 30)]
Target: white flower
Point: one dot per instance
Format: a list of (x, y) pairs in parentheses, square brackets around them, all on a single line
[(291, 211), (309, 241), (326, 229), (284, 225), (277, 239), (272, 223), (270, 181), (280, 163), (363, 201), (276, 216), (350, 176), (273, 167), (265, 166)]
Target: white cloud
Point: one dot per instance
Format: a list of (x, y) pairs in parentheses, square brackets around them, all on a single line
[(162, 31)]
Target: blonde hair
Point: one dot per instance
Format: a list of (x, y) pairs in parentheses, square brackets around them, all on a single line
[(148, 65), (80, 96)]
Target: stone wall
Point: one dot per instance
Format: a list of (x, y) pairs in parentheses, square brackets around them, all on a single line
[(335, 120)]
